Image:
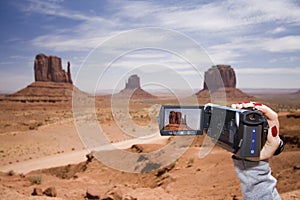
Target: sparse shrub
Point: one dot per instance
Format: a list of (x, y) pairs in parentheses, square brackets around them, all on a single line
[(11, 173), (190, 162), (35, 179)]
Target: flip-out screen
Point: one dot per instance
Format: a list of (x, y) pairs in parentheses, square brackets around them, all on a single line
[(181, 120)]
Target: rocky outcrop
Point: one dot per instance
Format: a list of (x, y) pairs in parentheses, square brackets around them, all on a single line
[(52, 84), (50, 192), (133, 82), (212, 79), (37, 192), (49, 68), (42, 91), (133, 89), (218, 80), (177, 122), (297, 93)]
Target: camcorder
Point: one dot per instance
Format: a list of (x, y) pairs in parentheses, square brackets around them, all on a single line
[(240, 131)]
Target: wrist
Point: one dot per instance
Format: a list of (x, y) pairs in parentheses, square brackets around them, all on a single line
[(280, 148)]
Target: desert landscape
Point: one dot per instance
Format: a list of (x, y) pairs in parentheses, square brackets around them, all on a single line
[(42, 155)]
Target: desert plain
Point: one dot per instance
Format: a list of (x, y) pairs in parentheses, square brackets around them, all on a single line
[(43, 157)]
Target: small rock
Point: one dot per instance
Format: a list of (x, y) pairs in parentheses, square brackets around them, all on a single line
[(92, 193), (137, 148), (50, 192), (89, 157), (296, 167), (113, 194), (37, 192), (128, 197)]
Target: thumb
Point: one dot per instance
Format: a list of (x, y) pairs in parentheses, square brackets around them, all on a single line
[(272, 143)]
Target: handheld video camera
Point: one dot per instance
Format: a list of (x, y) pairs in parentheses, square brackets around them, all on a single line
[(240, 131)]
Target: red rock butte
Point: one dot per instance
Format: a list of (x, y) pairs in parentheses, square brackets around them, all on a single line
[(49, 68), (52, 82), (133, 88), (215, 86)]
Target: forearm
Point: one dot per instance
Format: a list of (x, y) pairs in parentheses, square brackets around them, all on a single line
[(256, 179)]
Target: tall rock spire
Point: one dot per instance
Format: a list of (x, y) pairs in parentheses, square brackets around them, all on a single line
[(49, 68)]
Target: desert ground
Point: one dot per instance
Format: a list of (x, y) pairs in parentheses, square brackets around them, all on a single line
[(42, 155)]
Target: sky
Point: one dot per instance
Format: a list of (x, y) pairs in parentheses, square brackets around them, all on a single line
[(169, 44)]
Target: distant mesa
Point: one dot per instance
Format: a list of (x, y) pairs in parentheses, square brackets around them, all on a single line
[(212, 77), (52, 83), (134, 90), (298, 92), (133, 82), (214, 85)]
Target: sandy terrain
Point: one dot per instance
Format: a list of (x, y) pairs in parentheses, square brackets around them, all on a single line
[(40, 148)]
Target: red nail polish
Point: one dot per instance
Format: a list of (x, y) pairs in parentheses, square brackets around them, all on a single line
[(245, 101), (274, 131), (239, 102), (257, 104)]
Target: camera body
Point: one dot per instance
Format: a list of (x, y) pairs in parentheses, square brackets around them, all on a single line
[(240, 131)]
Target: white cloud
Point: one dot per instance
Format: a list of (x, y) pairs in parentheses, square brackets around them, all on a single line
[(286, 70), (237, 49), (57, 42), (232, 16), (283, 44), (53, 8), (232, 30), (278, 30), (229, 15)]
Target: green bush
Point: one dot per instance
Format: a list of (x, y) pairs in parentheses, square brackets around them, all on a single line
[(35, 179)]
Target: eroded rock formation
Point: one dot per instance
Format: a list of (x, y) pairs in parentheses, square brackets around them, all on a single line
[(177, 122), (133, 82), (220, 83), (49, 68), (52, 83), (134, 90), (219, 76)]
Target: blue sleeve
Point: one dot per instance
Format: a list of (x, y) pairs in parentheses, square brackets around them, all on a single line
[(256, 180)]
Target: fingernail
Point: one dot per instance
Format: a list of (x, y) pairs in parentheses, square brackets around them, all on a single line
[(239, 102), (257, 104), (274, 131), (245, 101)]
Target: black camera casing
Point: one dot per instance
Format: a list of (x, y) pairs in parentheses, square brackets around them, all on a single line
[(240, 131)]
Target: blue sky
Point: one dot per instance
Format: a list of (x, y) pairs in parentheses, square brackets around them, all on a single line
[(259, 39)]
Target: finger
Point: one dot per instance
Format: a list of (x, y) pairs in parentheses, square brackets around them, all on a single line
[(268, 112), (248, 104), (239, 106)]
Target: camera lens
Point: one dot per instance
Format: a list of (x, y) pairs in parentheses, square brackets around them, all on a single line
[(251, 117)]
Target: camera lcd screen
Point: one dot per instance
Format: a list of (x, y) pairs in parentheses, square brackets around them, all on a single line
[(182, 120)]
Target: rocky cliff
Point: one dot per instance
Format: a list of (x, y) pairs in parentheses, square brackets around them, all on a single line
[(215, 86), (134, 90), (52, 83), (212, 79), (49, 68), (133, 82)]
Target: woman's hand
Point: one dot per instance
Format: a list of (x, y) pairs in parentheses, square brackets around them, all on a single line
[(273, 140)]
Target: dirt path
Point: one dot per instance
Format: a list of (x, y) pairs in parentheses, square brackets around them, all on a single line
[(74, 157), (46, 162)]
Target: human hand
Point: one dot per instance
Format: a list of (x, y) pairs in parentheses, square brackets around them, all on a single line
[(273, 139)]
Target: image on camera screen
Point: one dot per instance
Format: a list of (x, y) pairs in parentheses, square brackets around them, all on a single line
[(182, 119)]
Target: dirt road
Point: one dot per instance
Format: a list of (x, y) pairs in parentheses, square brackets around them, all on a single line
[(74, 156)]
